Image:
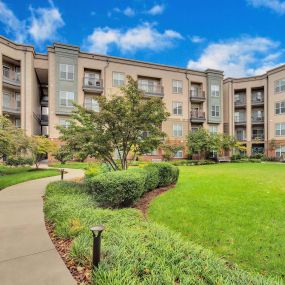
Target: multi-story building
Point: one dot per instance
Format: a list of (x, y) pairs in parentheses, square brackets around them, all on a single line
[(254, 112), (37, 90)]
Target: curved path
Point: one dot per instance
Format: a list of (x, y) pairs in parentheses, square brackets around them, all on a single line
[(27, 255)]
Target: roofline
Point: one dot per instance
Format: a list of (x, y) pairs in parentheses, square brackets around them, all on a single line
[(15, 45)]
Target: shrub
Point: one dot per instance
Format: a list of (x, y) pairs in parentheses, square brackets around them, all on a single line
[(18, 160), (168, 173), (191, 162), (151, 176), (96, 170), (117, 189)]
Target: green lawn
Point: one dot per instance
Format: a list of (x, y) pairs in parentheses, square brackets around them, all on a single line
[(14, 175), (237, 210), (74, 165)]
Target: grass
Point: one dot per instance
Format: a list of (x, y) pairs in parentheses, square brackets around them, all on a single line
[(134, 251), (236, 210), (14, 175), (74, 165)]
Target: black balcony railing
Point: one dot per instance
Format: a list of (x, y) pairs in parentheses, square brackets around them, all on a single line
[(197, 115), (92, 83), (197, 94), (152, 90), (12, 77), (241, 101)]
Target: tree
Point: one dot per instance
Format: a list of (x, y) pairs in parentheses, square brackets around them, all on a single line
[(13, 141), (198, 142), (40, 147), (63, 154), (125, 123), (169, 150)]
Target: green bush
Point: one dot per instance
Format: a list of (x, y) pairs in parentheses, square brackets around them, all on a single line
[(168, 173), (191, 162), (96, 170), (117, 189), (134, 250), (151, 176), (18, 160)]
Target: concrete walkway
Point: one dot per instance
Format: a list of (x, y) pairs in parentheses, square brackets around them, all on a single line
[(27, 255)]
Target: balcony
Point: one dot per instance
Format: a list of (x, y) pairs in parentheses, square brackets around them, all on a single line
[(11, 79), (240, 121), (257, 120), (151, 90), (197, 116), (11, 109), (240, 102), (257, 98), (44, 120), (44, 101), (258, 137), (197, 95), (92, 85), (241, 138)]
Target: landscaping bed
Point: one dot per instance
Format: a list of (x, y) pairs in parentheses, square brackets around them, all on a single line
[(134, 250)]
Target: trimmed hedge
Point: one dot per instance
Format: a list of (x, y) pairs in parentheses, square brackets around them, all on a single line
[(168, 174), (185, 162), (151, 177), (18, 160), (117, 189)]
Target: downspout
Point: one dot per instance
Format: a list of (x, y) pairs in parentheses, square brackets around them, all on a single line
[(105, 67), (25, 93), (188, 100)]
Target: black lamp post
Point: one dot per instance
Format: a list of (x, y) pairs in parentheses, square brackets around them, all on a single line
[(61, 173), (96, 231)]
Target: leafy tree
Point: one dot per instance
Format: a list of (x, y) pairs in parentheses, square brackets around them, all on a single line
[(63, 154), (40, 147), (13, 141), (228, 142), (125, 123), (169, 150), (198, 142)]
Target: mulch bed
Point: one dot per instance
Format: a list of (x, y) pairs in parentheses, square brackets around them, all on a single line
[(82, 275), (145, 200)]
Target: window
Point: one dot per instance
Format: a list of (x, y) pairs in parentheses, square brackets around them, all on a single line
[(91, 104), (64, 123), (240, 135), (258, 134), (18, 100), (239, 117), (215, 90), (280, 129), (213, 129), (194, 129), (280, 151), (149, 85), (177, 130), (18, 123), (45, 130), (66, 71), (179, 154), (215, 111), (66, 98), (280, 108), (92, 79), (279, 85), (177, 108), (177, 86), (6, 100), (118, 79), (6, 71)]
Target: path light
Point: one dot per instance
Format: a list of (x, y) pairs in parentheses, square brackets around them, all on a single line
[(96, 231), (61, 173)]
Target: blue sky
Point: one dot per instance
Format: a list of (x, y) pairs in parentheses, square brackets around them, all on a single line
[(241, 37)]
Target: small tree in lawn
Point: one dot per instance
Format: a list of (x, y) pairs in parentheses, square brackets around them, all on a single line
[(198, 142), (228, 142), (120, 125), (63, 154), (40, 147)]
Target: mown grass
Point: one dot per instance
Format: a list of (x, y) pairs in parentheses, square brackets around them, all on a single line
[(73, 165), (237, 210), (134, 250), (14, 175)]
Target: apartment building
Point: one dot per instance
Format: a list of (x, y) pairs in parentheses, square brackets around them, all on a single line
[(37, 90), (254, 112)]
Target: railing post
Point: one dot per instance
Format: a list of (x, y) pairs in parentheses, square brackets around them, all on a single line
[(96, 231)]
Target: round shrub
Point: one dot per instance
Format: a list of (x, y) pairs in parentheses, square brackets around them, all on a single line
[(18, 160), (168, 173), (151, 177), (117, 189), (96, 170)]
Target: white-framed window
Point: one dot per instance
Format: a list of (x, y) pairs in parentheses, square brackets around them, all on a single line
[(215, 90), (213, 129), (118, 79), (18, 123), (280, 151), (239, 117), (18, 100), (177, 108), (279, 85), (149, 85), (64, 123), (177, 86), (66, 98), (178, 154), (177, 130), (215, 112), (280, 108), (91, 103), (66, 71), (6, 71), (280, 129), (7, 99)]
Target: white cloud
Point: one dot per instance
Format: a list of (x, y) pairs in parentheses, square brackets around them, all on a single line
[(275, 5), (245, 56), (129, 12), (156, 10), (197, 39), (141, 37), (44, 23), (40, 26)]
